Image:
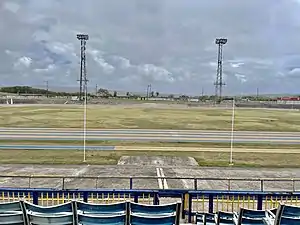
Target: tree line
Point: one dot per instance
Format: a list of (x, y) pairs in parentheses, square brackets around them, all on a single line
[(104, 93)]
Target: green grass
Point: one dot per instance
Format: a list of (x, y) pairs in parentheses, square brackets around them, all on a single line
[(149, 118), (66, 157), (150, 144)]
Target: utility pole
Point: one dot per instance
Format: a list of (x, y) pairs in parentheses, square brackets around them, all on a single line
[(96, 90), (47, 88), (148, 90), (257, 93)]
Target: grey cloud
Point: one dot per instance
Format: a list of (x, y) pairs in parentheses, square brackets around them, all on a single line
[(169, 43)]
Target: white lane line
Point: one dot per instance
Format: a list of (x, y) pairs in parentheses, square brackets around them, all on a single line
[(165, 184), (160, 184)]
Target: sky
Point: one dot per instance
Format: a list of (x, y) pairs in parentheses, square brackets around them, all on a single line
[(169, 44)]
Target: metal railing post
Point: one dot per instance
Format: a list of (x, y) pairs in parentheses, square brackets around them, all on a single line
[(29, 182), (261, 185), (195, 184), (96, 185), (293, 185), (63, 183)]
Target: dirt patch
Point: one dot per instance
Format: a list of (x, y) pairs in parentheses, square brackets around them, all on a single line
[(157, 161)]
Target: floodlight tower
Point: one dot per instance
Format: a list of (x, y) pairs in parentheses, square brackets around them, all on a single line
[(83, 75), (219, 79)]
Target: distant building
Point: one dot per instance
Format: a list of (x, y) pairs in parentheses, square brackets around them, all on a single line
[(288, 100)]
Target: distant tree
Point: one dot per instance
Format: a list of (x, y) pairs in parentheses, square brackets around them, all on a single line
[(152, 94), (171, 96), (104, 93), (157, 94), (115, 94), (127, 94)]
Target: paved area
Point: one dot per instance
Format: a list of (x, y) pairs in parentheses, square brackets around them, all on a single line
[(162, 168), (149, 135)]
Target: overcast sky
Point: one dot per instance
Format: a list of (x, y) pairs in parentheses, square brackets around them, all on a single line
[(168, 43)]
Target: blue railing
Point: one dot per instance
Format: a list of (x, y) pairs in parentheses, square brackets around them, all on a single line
[(192, 201)]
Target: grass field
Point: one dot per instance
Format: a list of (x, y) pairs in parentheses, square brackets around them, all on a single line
[(149, 118), (150, 144), (276, 160)]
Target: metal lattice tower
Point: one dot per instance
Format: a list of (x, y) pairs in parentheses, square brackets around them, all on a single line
[(219, 79), (83, 74)]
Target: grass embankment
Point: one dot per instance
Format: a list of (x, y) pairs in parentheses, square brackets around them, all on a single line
[(128, 117), (65, 157)]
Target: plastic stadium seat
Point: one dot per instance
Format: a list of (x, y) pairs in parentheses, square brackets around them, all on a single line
[(105, 209), (157, 220), (16, 218), (223, 218), (66, 208), (11, 207), (206, 219), (285, 212), (86, 219), (247, 216), (51, 219), (289, 210), (154, 210)]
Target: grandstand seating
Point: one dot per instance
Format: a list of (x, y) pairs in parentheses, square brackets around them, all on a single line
[(76, 212), (130, 213), (283, 215)]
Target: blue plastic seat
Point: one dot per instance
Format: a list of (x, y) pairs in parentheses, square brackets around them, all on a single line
[(51, 219), (248, 216), (223, 218), (105, 209), (65, 208), (205, 218), (284, 213), (156, 220), (13, 218), (154, 210), (289, 210), (86, 219), (15, 206)]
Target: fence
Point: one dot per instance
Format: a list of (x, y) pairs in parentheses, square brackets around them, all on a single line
[(195, 183), (192, 201)]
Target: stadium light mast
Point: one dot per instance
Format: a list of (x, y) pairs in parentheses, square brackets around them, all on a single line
[(219, 79), (83, 84)]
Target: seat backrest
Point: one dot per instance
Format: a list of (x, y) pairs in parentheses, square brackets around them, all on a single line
[(208, 218), (16, 218), (10, 206), (290, 211), (114, 208), (249, 213), (289, 221), (62, 208), (156, 220), (249, 216), (224, 217), (154, 209), (86, 219), (53, 219), (249, 221)]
